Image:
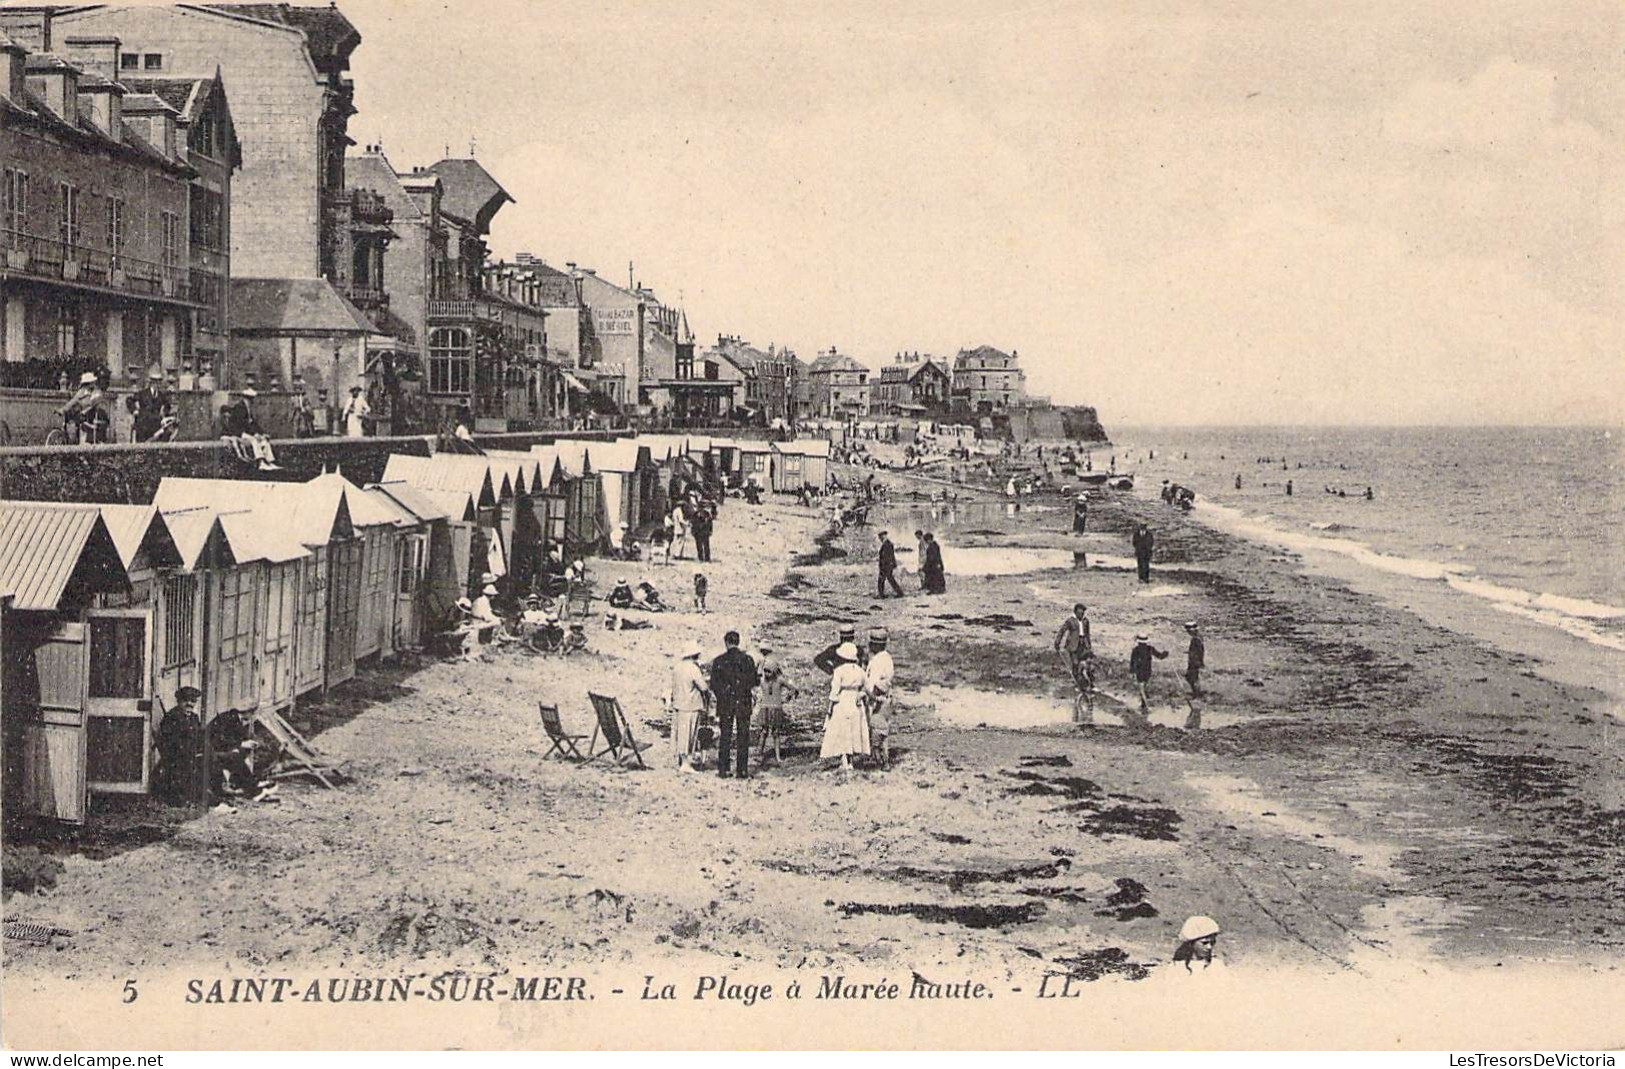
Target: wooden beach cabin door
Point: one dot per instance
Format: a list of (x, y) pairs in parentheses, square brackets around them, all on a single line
[(411, 561), (55, 781), (278, 652), (312, 632), (343, 609), (118, 700), (376, 561), (236, 673)]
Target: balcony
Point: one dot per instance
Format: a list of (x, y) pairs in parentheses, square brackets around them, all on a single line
[(367, 298), (95, 270), (464, 311)]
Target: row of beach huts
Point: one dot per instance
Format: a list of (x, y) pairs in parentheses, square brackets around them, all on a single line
[(259, 593)]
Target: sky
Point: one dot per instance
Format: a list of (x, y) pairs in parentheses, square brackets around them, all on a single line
[(1343, 213)]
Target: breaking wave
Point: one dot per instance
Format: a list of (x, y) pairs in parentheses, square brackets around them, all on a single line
[(1590, 621)]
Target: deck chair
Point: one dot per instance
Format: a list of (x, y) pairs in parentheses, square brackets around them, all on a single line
[(617, 733), (563, 744), (578, 599)]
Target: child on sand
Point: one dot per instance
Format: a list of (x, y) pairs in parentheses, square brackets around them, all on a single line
[(700, 585)]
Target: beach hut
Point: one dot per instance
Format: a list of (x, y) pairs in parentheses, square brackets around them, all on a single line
[(407, 540), (755, 462), (582, 490), (70, 670), (628, 480), (473, 477), (804, 462), (327, 608), (526, 534), (426, 588)]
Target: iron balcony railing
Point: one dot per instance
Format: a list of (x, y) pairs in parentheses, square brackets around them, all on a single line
[(464, 310), (56, 261), (368, 297)]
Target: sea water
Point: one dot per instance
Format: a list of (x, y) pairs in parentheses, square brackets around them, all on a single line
[(1526, 521)]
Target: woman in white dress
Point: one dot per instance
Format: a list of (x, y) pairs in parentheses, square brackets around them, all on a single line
[(685, 703), (847, 730)]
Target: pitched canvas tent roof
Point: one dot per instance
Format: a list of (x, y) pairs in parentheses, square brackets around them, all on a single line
[(445, 471), (307, 514), (621, 454), (573, 458), (45, 549), (808, 447), (419, 503), (381, 499), (525, 469)]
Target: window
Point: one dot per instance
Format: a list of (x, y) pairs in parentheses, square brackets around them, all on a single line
[(129, 61), (450, 361), (14, 202), (208, 218), (172, 239), (180, 601), (67, 331), (67, 225), (153, 61), (115, 230), (203, 135)]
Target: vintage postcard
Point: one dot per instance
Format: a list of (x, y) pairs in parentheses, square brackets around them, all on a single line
[(835, 525)]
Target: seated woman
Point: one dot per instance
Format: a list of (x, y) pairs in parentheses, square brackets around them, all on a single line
[(231, 747), (648, 597), (620, 596)]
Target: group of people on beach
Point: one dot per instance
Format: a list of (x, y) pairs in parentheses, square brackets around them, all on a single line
[(1075, 643), (734, 686), (933, 576)]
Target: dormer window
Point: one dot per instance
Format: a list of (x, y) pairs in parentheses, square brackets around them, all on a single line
[(152, 61)]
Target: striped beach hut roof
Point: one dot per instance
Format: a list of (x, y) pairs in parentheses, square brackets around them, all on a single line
[(133, 528), (447, 471), (46, 550), (421, 503)]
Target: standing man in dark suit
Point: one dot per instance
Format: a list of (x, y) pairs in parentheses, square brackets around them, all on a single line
[(888, 567), (733, 677), (1144, 543)]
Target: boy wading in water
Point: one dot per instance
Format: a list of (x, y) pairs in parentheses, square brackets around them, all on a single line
[(1195, 661), (1074, 645), (1139, 665)]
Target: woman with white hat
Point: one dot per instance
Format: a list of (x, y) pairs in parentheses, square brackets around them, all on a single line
[(847, 731), (685, 703)]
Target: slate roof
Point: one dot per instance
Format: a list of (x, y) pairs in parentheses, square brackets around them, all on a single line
[(45, 548), (835, 362), (468, 191), (288, 305)]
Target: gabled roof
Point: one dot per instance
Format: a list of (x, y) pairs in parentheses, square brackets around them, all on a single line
[(573, 459), (192, 529), (365, 510), (401, 516), (250, 538), (471, 475), (549, 465), (46, 549), (835, 362), (469, 192), (138, 527), (293, 305), (662, 447), (807, 447), (420, 503), (619, 454), (523, 469), (458, 506), (307, 514)]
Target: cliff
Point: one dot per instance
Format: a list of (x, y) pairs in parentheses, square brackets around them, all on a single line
[(1082, 423)]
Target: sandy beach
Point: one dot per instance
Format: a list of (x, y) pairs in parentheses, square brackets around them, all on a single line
[(1368, 791)]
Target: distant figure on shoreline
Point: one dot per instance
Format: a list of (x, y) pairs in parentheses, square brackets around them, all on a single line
[(1369, 496), (1238, 481), (1289, 488)]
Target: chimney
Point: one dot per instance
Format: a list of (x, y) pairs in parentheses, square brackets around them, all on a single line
[(103, 100), (29, 27), (13, 57), (96, 54), (57, 83)]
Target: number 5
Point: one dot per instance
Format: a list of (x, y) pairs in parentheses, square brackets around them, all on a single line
[(130, 993)]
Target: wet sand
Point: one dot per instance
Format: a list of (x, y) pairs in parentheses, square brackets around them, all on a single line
[(1368, 792)]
